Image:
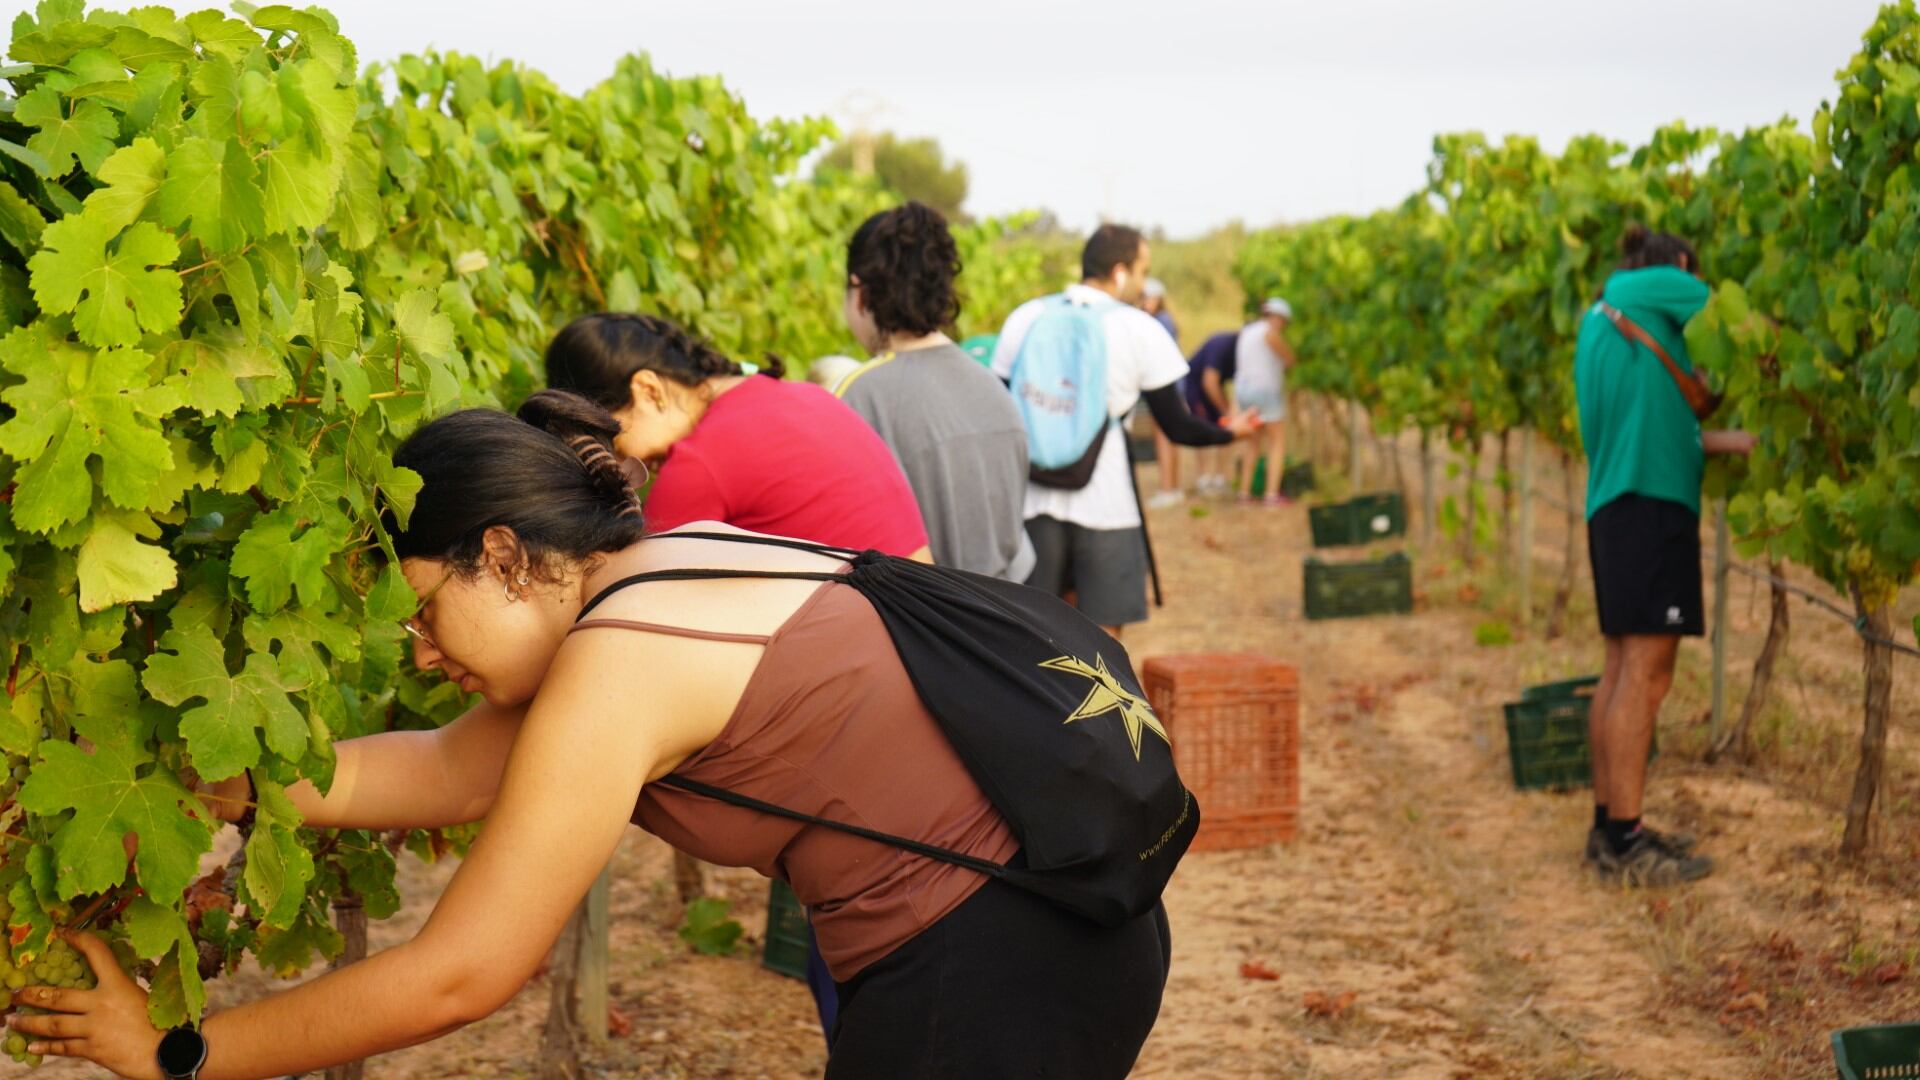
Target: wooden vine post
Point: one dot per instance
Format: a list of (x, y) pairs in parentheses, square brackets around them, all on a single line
[(1523, 551), (1355, 416), (1426, 488), (560, 1038), (595, 948), (350, 918), (1739, 737), (1877, 621), (1722, 552)]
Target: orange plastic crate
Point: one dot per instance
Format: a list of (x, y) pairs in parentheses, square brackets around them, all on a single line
[(1234, 721)]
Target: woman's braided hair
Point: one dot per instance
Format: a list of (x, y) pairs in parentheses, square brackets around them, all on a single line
[(548, 474), (596, 356)]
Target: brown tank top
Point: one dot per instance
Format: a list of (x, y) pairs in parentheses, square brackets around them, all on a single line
[(830, 725)]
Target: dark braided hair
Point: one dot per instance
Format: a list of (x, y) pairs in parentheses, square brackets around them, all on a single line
[(906, 262), (595, 356), (548, 474)]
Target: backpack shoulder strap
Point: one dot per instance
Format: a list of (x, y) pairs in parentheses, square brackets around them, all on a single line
[(931, 851), (1701, 400)]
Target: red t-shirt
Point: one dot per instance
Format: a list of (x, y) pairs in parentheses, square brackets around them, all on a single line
[(788, 458)]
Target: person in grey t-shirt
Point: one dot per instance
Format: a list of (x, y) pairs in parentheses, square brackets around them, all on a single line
[(950, 421)]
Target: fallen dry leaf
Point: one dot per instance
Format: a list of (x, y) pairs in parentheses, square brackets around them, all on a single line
[(619, 1024), (1254, 969), (1329, 1008)]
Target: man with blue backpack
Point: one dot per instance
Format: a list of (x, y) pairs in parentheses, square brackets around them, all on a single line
[(1077, 362)]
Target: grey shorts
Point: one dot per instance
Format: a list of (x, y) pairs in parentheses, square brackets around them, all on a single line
[(1105, 568)]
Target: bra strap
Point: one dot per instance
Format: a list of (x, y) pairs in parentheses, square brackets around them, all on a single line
[(705, 575)]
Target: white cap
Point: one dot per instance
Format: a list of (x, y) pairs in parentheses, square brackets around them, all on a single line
[(1277, 306), (1154, 289), (828, 371)]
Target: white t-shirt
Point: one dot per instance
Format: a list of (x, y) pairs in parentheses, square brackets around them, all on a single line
[(1259, 374), (1141, 356)]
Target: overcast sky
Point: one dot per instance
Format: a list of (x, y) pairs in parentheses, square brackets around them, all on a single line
[(1190, 113)]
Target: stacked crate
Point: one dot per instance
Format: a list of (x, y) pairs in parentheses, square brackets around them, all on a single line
[(1377, 586), (1234, 721)]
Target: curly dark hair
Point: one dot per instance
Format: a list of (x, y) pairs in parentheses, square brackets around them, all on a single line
[(596, 356), (1641, 247), (906, 262)]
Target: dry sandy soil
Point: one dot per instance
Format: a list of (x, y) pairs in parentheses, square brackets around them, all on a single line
[(1455, 910)]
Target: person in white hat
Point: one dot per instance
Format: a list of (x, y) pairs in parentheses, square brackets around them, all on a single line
[(1262, 356)]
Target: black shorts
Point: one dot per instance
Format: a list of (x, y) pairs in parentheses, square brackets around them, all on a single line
[(1646, 567), (1007, 984), (1106, 569)]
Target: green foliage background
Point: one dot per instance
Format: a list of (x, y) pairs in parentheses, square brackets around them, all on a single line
[(236, 269)]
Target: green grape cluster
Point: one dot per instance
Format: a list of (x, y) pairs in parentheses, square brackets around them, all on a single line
[(60, 965)]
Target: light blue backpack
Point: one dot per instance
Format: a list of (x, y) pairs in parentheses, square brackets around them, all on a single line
[(1059, 384)]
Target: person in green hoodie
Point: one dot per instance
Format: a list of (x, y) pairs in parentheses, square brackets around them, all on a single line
[(1645, 453)]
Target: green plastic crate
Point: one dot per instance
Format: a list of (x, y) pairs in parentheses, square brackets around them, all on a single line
[(1581, 687), (1359, 520), (1547, 741), (1376, 587), (1886, 1052), (787, 932), (1295, 482)]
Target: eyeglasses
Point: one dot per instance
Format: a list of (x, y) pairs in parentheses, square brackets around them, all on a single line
[(413, 625)]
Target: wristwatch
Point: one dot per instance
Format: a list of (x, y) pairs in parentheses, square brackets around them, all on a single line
[(182, 1052)]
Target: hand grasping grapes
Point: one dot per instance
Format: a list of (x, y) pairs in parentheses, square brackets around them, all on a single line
[(107, 1024)]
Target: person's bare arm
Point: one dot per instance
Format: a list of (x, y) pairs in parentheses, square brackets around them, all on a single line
[(1281, 347), (401, 779), (1737, 443), (925, 555), (1215, 390), (578, 762)]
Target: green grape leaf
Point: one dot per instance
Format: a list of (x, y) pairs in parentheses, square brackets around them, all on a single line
[(310, 93), (152, 928), (77, 404), (222, 36), (213, 188), (131, 176), (102, 702), (116, 568), (286, 952), (21, 223), (223, 735), (175, 995), (301, 632), (109, 799), (113, 295), (223, 372), (274, 562), (86, 133), (278, 867), (391, 599), (299, 188), (708, 929)]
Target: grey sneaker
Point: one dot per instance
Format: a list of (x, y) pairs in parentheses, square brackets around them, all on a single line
[(1596, 843), (1678, 843), (1648, 862)]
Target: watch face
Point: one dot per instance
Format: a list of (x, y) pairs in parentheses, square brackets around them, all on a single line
[(182, 1051)]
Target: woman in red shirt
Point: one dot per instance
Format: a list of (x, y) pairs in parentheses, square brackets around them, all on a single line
[(764, 454)]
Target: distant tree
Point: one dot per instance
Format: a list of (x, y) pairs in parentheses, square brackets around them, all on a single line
[(916, 168)]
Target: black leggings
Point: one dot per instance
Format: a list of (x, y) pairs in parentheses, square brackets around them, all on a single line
[(1006, 985)]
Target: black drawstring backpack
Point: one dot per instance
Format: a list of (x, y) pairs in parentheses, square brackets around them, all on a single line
[(1043, 707)]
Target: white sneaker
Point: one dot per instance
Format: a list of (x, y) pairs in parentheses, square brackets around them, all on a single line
[(1160, 500)]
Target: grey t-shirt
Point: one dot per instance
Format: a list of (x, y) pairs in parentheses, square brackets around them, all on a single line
[(953, 426)]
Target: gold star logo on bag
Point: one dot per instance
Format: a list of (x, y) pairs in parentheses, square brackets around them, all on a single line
[(1107, 695)]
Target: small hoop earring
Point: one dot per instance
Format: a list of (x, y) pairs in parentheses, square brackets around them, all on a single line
[(646, 474), (506, 587)]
